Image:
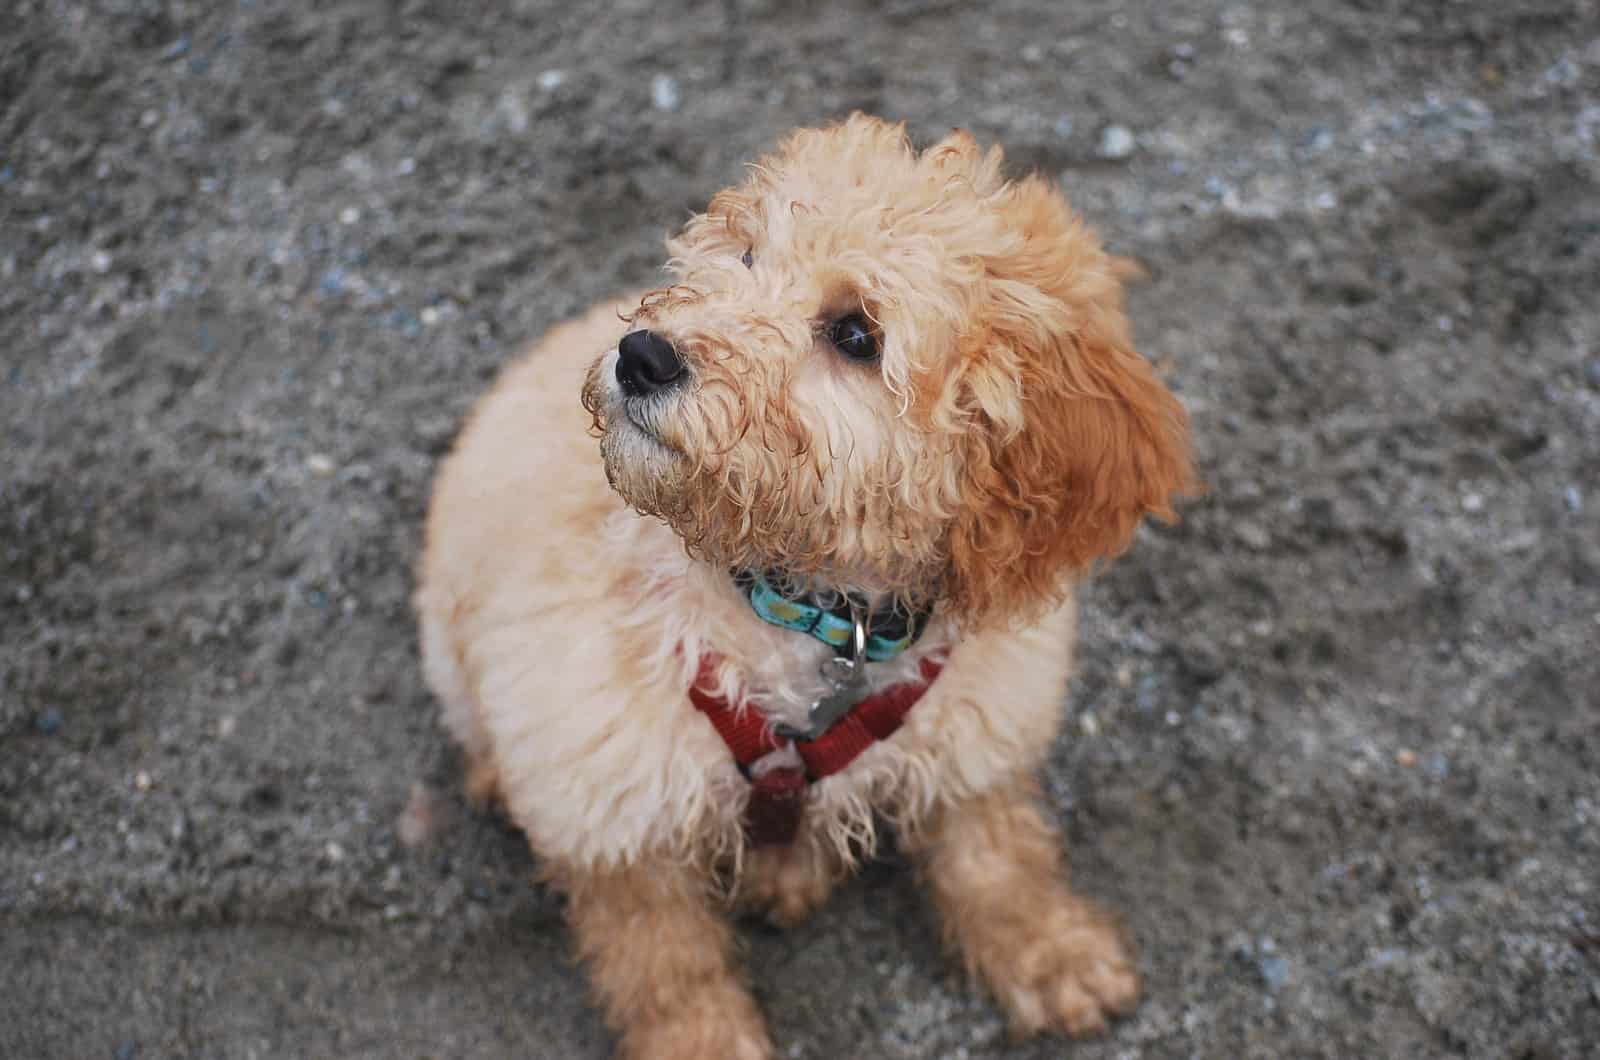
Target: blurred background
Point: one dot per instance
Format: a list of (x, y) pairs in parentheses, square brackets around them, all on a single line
[(1334, 749)]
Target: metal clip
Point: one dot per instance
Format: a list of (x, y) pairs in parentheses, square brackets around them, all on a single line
[(847, 682)]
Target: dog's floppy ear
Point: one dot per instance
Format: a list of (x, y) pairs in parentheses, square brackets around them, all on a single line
[(1074, 438)]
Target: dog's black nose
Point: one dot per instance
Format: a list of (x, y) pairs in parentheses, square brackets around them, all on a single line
[(646, 362)]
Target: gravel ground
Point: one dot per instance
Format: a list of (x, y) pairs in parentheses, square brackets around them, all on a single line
[(1334, 747)]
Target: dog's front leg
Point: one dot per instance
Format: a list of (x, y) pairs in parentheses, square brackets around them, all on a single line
[(662, 962), (1051, 958)]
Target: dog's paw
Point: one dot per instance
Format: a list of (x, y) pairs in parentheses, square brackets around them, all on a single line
[(483, 785), (720, 1024), (785, 883), (1070, 974)]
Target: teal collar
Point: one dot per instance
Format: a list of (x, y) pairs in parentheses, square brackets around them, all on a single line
[(889, 631)]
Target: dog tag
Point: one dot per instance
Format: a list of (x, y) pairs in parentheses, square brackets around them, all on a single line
[(847, 683), (836, 704)]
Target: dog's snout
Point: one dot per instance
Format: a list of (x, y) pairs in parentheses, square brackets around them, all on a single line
[(646, 362)]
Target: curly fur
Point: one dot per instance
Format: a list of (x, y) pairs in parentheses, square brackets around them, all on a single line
[(1010, 435), (1006, 439)]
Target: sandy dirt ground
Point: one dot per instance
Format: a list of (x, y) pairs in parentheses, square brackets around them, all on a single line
[(1334, 751)]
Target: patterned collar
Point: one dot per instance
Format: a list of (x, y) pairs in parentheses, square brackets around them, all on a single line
[(890, 631)]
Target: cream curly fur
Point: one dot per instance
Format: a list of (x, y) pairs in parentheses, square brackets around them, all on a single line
[(1007, 437)]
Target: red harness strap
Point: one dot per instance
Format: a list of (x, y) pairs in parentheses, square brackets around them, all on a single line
[(777, 795)]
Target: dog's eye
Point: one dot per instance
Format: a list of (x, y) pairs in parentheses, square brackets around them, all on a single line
[(854, 337), (749, 259)]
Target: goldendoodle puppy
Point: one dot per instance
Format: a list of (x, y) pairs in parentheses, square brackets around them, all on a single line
[(815, 577)]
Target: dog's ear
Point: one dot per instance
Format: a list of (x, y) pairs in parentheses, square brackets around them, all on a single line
[(1074, 439)]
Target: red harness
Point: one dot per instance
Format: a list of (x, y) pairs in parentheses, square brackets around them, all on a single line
[(777, 795)]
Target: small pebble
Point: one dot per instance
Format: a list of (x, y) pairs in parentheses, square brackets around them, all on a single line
[(514, 112), (349, 215), (1573, 498), (1521, 541), (1253, 536), (405, 322), (1143, 643), (320, 464), (334, 852), (142, 782), (100, 262), (1116, 143), (429, 315), (1089, 723), (551, 80), (1406, 757), (664, 93), (1472, 502), (236, 849), (1147, 694), (49, 721), (1385, 957), (1274, 972), (1563, 73)]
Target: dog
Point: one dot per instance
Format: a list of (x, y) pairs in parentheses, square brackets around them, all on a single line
[(815, 582)]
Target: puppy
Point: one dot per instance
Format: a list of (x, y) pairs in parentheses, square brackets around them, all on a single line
[(815, 579)]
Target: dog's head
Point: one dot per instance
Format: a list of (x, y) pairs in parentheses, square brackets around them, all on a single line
[(892, 372)]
